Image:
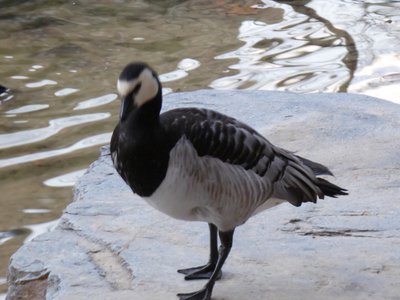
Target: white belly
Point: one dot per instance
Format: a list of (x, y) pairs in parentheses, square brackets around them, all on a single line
[(206, 189)]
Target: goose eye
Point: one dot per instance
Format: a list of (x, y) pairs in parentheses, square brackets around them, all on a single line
[(137, 88)]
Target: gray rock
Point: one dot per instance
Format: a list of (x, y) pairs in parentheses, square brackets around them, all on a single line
[(110, 244)]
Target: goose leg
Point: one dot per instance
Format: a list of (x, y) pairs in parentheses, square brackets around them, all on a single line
[(206, 291), (205, 272)]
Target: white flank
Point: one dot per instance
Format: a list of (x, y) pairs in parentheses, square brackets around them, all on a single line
[(207, 189)]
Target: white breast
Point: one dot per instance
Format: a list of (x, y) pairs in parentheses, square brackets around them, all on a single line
[(207, 189)]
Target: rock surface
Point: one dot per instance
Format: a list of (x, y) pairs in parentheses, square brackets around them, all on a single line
[(110, 244)]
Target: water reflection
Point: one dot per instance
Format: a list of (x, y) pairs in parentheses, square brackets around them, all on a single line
[(95, 102), (65, 180), (188, 64), (36, 211), (88, 142), (183, 67), (40, 83), (27, 108), (300, 52), (381, 78), (34, 135), (65, 92), (172, 76), (5, 236), (20, 77), (374, 27)]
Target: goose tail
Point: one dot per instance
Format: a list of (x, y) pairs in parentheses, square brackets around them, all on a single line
[(317, 168), (329, 189)]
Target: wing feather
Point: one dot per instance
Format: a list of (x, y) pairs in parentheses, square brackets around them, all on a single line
[(222, 137)]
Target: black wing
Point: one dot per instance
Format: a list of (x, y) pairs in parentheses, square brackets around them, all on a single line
[(217, 135), (231, 141)]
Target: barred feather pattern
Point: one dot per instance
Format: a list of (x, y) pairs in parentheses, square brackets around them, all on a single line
[(207, 189), (216, 135)]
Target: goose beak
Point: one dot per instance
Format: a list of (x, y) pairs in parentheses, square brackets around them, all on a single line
[(124, 109)]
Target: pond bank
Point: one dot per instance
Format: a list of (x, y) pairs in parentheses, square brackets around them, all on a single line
[(110, 243)]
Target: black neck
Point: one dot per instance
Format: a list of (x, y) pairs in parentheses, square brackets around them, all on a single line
[(145, 147), (145, 117)]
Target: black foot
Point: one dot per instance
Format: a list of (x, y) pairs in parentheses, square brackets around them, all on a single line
[(203, 294), (202, 272)]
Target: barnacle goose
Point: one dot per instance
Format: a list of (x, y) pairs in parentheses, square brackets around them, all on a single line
[(200, 165)]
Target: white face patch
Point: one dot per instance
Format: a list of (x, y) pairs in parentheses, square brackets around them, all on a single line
[(149, 87), (125, 87)]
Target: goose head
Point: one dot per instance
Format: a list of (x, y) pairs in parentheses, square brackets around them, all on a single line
[(139, 89)]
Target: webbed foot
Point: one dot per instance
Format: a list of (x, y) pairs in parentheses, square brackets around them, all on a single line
[(203, 294), (201, 272)]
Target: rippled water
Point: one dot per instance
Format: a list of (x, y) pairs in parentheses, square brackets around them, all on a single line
[(61, 59)]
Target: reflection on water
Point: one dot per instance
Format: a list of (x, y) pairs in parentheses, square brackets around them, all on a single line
[(375, 28), (88, 142), (299, 52), (94, 102), (34, 135), (36, 211), (64, 180), (41, 83), (27, 108), (61, 57), (183, 67), (65, 92)]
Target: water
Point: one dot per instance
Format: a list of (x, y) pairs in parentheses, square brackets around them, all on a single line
[(61, 59)]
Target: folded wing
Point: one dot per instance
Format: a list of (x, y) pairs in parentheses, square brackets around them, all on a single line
[(292, 177)]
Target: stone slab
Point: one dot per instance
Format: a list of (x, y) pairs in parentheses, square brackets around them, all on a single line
[(110, 244)]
